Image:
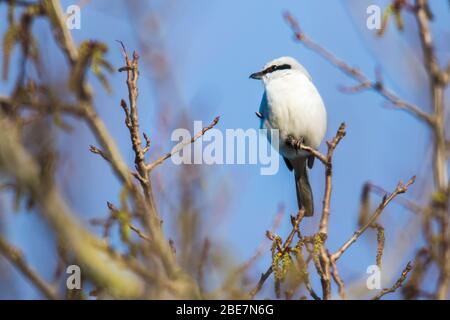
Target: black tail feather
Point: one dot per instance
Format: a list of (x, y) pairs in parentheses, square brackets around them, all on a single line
[(304, 193)]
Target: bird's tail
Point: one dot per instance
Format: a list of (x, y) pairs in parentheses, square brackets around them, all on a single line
[(304, 193)]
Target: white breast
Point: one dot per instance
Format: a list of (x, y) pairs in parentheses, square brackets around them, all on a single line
[(293, 105)]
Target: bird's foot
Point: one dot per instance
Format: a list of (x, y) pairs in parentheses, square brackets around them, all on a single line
[(294, 143)]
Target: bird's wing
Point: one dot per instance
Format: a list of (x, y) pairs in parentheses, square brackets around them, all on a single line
[(263, 109)]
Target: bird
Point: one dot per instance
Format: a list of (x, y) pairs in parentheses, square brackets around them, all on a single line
[(292, 105)]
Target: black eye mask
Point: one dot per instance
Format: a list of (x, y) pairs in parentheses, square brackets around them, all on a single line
[(275, 68), (260, 74)]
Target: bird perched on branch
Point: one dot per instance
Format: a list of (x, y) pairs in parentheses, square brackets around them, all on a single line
[(292, 104)]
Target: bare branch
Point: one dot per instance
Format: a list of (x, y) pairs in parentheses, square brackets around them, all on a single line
[(181, 145), (17, 260), (282, 249), (328, 178), (139, 233), (147, 143), (363, 80), (337, 278), (263, 246), (446, 75), (401, 188), (143, 204), (124, 106), (322, 261), (408, 204), (64, 37), (298, 145), (426, 39), (88, 249), (132, 123), (260, 283), (438, 82), (397, 284), (96, 150)]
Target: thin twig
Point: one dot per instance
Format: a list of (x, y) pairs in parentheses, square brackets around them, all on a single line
[(298, 145), (401, 188), (282, 249), (260, 283), (337, 278), (263, 246), (356, 74), (132, 123), (16, 258), (397, 284), (328, 179), (181, 145), (96, 150), (408, 204), (139, 233)]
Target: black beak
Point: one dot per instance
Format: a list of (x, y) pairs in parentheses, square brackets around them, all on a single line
[(257, 75)]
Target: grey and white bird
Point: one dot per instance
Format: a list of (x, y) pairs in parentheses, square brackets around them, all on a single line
[(292, 104)]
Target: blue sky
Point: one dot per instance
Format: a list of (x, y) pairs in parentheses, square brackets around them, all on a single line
[(213, 46)]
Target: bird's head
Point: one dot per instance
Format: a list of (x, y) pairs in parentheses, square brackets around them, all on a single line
[(278, 68)]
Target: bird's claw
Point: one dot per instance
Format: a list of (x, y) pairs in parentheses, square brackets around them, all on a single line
[(294, 143)]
